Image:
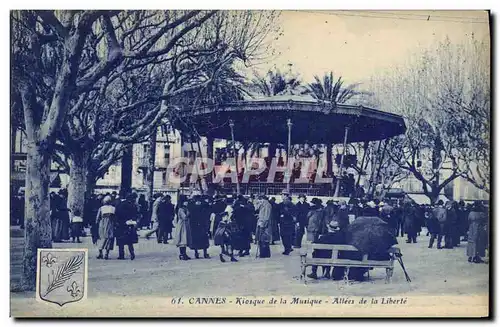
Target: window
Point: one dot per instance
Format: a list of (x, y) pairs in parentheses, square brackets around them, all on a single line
[(166, 151)]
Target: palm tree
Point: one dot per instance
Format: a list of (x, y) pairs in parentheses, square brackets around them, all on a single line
[(225, 85), (276, 83), (327, 89)]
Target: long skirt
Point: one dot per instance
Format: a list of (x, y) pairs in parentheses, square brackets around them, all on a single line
[(477, 240), (275, 230), (106, 234), (182, 234), (58, 230), (65, 229), (76, 229), (106, 244)]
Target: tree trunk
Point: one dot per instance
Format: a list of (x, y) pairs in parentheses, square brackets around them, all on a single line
[(329, 163), (38, 230), (126, 178), (210, 155), (13, 135), (77, 186), (90, 184), (150, 171), (89, 190), (433, 197)]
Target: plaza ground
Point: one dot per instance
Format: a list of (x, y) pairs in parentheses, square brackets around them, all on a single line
[(158, 272)]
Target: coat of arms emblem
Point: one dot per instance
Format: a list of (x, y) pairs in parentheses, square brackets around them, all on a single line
[(62, 275)]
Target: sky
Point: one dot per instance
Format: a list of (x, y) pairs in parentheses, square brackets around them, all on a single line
[(361, 44)]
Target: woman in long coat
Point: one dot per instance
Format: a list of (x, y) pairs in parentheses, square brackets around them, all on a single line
[(182, 237), (477, 237), (125, 230), (243, 217), (199, 221), (105, 221), (60, 229)]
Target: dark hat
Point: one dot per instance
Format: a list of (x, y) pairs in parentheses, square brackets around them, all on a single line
[(353, 201), (302, 196), (316, 201)]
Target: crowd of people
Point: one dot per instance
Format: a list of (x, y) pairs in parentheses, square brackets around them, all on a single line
[(234, 222)]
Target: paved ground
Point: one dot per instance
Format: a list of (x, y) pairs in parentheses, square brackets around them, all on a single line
[(157, 271)]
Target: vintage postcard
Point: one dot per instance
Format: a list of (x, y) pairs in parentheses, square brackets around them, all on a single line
[(257, 163)]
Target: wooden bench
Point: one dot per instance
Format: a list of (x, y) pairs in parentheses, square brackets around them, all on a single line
[(306, 259)]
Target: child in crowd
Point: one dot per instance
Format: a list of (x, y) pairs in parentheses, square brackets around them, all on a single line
[(76, 226)]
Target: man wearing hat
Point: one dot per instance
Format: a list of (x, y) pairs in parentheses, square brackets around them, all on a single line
[(315, 220), (287, 218), (263, 233), (125, 211), (302, 210), (342, 214), (333, 236)]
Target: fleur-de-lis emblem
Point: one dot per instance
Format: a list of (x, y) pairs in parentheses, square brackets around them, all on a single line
[(74, 289), (49, 260)]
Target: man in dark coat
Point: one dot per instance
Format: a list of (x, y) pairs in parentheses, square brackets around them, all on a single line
[(439, 214), (199, 221), (287, 217), (144, 212), (275, 221), (263, 232), (371, 209), (302, 208), (451, 225), (329, 211), (243, 216), (398, 217), (126, 212), (433, 226), (342, 215), (316, 220), (410, 222), (165, 215), (335, 235)]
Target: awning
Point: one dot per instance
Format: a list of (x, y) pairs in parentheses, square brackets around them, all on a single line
[(265, 120), (424, 199)]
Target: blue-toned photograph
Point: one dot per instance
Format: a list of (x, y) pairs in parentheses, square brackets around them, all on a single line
[(250, 163)]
